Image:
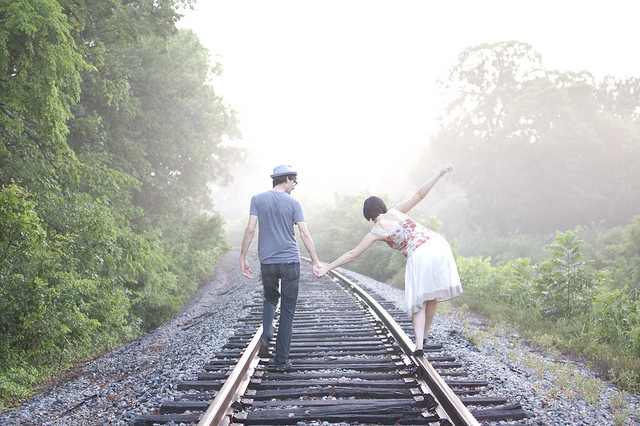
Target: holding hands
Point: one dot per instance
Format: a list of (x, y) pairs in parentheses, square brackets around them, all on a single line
[(320, 272), (316, 270)]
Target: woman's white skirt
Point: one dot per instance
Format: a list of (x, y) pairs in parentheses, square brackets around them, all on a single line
[(431, 274)]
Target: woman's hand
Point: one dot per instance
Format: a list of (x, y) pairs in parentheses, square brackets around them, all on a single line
[(447, 168)]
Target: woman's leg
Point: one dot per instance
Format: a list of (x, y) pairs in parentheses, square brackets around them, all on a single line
[(419, 322), (422, 322), (430, 312)]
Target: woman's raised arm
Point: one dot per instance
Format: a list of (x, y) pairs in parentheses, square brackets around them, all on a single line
[(422, 192)]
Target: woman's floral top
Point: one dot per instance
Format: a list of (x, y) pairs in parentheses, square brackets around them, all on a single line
[(407, 236)]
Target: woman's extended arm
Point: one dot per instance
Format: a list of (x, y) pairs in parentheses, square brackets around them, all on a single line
[(351, 255), (422, 192)]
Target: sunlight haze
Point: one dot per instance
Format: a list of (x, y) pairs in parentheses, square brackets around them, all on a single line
[(346, 91)]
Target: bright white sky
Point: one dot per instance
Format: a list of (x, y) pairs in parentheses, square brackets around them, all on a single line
[(345, 91)]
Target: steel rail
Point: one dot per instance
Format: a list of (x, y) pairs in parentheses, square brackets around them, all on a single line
[(218, 412), (448, 400)]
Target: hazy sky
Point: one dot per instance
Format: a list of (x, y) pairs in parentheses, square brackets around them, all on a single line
[(345, 91)]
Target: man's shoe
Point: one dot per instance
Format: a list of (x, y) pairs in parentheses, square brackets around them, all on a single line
[(286, 367), (263, 349)]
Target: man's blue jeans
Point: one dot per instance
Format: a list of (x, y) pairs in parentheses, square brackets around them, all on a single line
[(288, 276)]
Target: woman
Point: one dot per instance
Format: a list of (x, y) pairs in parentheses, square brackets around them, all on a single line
[(431, 275)]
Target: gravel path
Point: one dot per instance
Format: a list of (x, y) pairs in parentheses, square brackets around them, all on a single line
[(135, 379)]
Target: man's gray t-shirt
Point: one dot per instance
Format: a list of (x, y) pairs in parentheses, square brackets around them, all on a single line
[(277, 213)]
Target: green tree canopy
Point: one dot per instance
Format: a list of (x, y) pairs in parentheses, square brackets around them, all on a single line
[(111, 132), (40, 80)]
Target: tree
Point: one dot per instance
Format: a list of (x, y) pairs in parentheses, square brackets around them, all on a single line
[(624, 263), (179, 125), (111, 132), (40, 68), (538, 150), (565, 280)]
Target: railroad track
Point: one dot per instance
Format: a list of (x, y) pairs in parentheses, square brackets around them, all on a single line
[(352, 364)]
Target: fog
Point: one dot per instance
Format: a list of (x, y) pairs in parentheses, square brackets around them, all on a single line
[(346, 93)]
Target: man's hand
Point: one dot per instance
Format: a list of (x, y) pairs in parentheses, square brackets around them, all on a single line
[(316, 270), (246, 242), (246, 268)]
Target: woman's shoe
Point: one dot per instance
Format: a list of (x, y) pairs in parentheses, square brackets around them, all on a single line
[(418, 352), (263, 349)]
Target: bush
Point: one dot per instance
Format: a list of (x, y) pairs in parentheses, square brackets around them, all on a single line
[(564, 281), (625, 265), (81, 282), (53, 306), (564, 302)]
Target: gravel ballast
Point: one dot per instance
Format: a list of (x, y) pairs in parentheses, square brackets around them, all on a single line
[(136, 378)]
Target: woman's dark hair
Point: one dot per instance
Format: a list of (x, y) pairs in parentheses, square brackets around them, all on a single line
[(282, 179), (373, 206)]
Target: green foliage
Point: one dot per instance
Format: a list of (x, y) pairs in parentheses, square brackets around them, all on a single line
[(18, 383), (508, 248), (599, 243), (169, 135), (536, 150), (40, 67), (615, 318), (625, 265), (51, 310), (564, 281), (191, 250), (476, 275), (563, 302), (110, 133), (616, 251)]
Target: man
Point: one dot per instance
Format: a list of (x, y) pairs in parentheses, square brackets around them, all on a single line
[(278, 212)]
